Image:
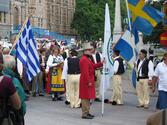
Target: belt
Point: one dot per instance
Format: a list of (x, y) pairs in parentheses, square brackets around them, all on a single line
[(117, 74), (76, 73), (142, 77)]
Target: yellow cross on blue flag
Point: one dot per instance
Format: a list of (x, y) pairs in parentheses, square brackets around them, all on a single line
[(144, 17)]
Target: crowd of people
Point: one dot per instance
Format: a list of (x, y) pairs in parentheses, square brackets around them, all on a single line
[(65, 74)]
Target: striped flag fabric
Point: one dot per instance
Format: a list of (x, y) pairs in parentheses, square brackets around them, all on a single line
[(26, 51), (127, 45)]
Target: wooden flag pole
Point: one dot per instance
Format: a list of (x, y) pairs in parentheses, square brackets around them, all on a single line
[(17, 37)]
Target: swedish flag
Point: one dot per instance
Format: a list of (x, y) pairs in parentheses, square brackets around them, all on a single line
[(144, 17)]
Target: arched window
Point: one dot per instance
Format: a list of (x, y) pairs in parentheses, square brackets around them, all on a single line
[(16, 16)]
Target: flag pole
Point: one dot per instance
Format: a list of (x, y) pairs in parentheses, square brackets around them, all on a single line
[(18, 35), (127, 7), (104, 67)]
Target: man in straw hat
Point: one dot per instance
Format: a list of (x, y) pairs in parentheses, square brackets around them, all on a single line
[(87, 81)]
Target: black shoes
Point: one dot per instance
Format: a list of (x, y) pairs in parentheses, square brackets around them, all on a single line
[(110, 102), (97, 100), (67, 102), (59, 99), (91, 115), (41, 94), (88, 116)]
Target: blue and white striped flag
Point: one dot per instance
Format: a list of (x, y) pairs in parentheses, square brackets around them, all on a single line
[(127, 45), (26, 51)]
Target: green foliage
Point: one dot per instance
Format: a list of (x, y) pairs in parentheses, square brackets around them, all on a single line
[(89, 18)]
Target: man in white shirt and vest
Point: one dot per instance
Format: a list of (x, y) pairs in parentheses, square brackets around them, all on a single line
[(117, 96), (97, 57), (72, 69), (145, 71)]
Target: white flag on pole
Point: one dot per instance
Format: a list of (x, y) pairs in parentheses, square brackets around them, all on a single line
[(107, 53)]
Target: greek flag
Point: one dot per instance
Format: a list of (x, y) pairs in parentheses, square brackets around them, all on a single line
[(26, 51)]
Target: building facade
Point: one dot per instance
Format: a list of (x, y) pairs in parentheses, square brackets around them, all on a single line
[(60, 15), (52, 15)]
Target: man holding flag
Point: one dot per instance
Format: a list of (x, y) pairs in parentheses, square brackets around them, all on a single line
[(117, 97)]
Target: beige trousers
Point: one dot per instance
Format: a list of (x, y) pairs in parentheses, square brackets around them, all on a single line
[(97, 82), (73, 81), (142, 89), (85, 107), (117, 89), (67, 91)]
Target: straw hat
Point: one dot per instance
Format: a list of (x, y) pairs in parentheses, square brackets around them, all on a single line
[(87, 46)]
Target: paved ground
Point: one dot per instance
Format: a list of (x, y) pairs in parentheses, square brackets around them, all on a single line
[(43, 111)]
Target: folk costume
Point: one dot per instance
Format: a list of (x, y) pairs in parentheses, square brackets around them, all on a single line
[(117, 79), (72, 69), (145, 70), (55, 64)]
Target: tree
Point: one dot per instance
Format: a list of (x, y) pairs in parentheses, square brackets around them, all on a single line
[(89, 18)]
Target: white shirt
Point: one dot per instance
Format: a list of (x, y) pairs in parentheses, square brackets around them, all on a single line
[(65, 69), (59, 59), (161, 73), (116, 64), (94, 57), (150, 69)]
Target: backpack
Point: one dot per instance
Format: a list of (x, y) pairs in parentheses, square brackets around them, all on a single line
[(9, 115)]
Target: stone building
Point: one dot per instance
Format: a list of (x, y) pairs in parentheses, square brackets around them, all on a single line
[(52, 15), (37, 10), (60, 15)]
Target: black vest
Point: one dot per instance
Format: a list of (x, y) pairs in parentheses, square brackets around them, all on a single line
[(98, 59), (144, 68), (73, 66), (121, 69)]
